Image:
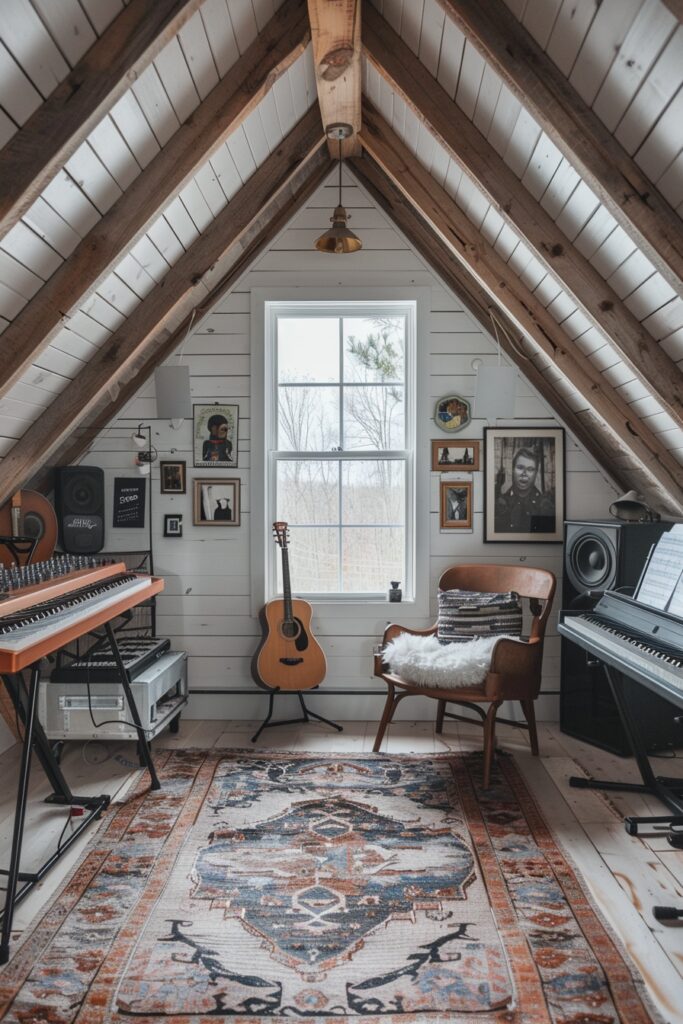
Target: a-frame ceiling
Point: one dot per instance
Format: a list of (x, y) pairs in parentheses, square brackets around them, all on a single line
[(531, 151)]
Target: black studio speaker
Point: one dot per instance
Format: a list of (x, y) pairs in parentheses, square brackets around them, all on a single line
[(605, 555), (79, 501)]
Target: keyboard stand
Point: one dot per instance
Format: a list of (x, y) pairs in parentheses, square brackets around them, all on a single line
[(668, 790), (25, 703)]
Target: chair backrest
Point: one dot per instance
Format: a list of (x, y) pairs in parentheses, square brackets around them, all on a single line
[(538, 585)]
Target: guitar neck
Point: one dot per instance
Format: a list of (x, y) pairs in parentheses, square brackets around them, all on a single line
[(286, 585)]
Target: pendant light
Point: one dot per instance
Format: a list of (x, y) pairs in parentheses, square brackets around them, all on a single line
[(339, 238)]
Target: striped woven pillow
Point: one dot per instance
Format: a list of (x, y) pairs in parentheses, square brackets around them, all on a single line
[(465, 614)]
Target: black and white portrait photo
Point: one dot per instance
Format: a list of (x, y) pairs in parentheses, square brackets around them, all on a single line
[(216, 503), (524, 495), (456, 505)]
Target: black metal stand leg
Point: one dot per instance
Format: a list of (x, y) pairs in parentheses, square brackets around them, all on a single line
[(266, 720), (311, 714), (145, 752), (307, 714), (19, 815)]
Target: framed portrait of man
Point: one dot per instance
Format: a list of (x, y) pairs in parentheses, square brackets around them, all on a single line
[(215, 436), (524, 484)]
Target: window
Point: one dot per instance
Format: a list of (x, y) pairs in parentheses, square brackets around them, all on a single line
[(340, 439)]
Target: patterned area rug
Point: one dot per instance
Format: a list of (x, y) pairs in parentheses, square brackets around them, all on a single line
[(314, 888)]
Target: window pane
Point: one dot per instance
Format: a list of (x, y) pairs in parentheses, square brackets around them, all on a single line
[(313, 561), (308, 419), (308, 349), (373, 492), (371, 558), (374, 417), (308, 492), (374, 349)]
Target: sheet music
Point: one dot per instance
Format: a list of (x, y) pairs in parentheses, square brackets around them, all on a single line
[(662, 578)]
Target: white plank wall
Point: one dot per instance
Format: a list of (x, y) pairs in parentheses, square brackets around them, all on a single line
[(205, 608)]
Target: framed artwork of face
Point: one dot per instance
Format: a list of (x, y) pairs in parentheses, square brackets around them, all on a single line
[(524, 484), (215, 436)]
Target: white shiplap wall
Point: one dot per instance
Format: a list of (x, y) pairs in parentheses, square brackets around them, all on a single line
[(205, 607)]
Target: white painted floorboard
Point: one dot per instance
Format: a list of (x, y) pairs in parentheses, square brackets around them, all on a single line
[(626, 875)]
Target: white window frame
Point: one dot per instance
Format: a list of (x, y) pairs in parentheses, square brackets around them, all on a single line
[(348, 301)]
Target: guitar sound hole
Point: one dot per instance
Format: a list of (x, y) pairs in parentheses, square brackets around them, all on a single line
[(290, 630)]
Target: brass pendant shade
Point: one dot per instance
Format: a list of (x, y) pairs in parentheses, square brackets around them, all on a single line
[(339, 238)]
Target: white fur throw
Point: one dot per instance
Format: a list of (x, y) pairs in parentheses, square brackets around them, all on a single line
[(423, 661)]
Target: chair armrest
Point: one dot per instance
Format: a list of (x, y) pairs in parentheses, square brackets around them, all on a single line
[(390, 633), (515, 671)]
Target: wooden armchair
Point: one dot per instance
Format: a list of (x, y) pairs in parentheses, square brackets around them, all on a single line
[(515, 670)]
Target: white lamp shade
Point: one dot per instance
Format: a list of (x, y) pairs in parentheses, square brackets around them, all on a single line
[(172, 386), (495, 392)]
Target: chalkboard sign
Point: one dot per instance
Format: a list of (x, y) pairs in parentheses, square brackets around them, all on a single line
[(129, 502)]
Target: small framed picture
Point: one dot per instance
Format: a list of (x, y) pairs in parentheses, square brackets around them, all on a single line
[(452, 413), (172, 477), (524, 484), (214, 430), (456, 505), (462, 456), (216, 503), (173, 526)]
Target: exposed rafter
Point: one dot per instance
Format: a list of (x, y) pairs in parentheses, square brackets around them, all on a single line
[(578, 133), (593, 296), (273, 217), (52, 134), (276, 48), (181, 290), (335, 29), (665, 475), (592, 435)]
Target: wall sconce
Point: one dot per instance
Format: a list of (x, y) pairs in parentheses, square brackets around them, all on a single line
[(147, 453)]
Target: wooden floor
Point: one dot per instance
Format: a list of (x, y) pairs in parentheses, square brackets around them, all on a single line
[(626, 875)]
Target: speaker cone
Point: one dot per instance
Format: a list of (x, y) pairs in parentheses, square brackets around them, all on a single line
[(591, 562)]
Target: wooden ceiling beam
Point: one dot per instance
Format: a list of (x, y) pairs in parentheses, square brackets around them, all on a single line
[(593, 437), (52, 134), (500, 282), (335, 31), (283, 39), (273, 218), (577, 132), (181, 290), (465, 144)]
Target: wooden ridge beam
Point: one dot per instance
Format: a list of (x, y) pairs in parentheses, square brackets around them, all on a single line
[(598, 442), (594, 297), (181, 290), (335, 32), (577, 132), (531, 317), (274, 216), (283, 39), (52, 134)]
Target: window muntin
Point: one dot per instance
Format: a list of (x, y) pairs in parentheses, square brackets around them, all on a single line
[(341, 445)]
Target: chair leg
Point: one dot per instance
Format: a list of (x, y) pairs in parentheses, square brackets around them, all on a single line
[(389, 708), (490, 740), (440, 712), (530, 715)]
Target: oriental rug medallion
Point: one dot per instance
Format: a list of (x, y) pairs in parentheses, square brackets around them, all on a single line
[(314, 888)]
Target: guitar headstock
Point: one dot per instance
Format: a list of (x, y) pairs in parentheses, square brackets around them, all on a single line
[(281, 534)]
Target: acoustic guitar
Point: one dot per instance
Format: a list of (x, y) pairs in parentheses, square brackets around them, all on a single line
[(28, 514), (289, 657)]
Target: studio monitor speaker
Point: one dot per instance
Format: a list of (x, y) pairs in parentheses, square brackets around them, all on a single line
[(604, 555), (79, 500)]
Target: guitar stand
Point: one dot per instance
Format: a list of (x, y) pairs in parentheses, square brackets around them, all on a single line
[(307, 714), (25, 703)]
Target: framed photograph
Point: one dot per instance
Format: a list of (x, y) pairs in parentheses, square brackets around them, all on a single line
[(216, 503), (463, 456), (452, 413), (214, 430), (524, 484), (456, 505), (173, 526), (172, 477)]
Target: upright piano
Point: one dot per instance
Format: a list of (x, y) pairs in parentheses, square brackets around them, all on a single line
[(640, 646), (43, 607)]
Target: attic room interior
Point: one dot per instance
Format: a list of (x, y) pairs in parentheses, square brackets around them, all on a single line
[(341, 511)]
